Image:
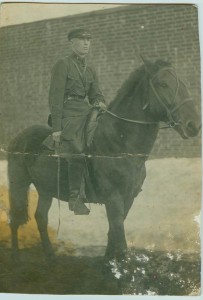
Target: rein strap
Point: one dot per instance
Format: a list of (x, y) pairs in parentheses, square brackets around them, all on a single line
[(130, 120)]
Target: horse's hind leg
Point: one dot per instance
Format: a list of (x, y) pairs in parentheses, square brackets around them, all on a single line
[(18, 210), (41, 216), (14, 242)]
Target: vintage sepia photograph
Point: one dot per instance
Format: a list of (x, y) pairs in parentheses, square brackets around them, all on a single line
[(100, 149)]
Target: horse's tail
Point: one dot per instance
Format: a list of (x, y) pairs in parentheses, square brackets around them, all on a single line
[(19, 182), (19, 151)]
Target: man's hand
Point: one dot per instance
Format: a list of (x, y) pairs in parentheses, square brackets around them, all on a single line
[(56, 136), (102, 106)]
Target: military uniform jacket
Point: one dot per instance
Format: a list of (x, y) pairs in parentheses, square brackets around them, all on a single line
[(72, 82)]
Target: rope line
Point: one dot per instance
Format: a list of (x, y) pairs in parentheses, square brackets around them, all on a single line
[(58, 193)]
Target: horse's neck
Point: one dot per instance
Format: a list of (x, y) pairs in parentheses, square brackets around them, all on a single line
[(114, 136), (118, 136)]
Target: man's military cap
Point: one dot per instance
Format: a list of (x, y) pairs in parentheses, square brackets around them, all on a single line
[(79, 33)]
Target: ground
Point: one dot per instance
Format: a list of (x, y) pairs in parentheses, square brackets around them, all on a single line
[(162, 232), (143, 273)]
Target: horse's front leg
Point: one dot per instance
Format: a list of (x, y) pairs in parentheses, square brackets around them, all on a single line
[(116, 247), (41, 216)]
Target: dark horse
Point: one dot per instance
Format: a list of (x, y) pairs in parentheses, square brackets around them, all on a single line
[(116, 160)]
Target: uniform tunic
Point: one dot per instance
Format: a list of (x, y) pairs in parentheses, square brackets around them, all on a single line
[(74, 90)]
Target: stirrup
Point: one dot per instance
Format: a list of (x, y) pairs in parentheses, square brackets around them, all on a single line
[(80, 208)]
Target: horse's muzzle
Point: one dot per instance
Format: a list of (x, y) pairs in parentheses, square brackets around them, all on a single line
[(192, 128)]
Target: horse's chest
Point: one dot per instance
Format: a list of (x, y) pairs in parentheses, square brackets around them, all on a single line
[(122, 174)]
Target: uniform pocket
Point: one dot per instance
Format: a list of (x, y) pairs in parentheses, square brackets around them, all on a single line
[(70, 82)]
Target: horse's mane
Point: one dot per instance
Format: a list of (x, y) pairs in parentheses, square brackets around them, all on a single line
[(138, 78)]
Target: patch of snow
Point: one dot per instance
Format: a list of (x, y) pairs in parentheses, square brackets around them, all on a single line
[(169, 255), (114, 269), (142, 258), (151, 293), (178, 255), (117, 274)]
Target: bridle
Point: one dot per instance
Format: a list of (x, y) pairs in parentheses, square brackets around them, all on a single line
[(171, 122)]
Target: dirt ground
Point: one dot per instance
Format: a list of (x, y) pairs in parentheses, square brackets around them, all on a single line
[(162, 231)]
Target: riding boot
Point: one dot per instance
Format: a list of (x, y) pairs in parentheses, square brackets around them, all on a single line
[(75, 174)]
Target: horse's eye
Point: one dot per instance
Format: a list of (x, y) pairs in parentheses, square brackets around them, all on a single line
[(163, 84)]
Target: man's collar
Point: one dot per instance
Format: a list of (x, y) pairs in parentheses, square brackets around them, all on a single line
[(78, 58)]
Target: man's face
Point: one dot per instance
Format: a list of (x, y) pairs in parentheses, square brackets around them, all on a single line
[(81, 45)]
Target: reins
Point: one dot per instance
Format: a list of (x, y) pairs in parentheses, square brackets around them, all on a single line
[(168, 125), (130, 120)]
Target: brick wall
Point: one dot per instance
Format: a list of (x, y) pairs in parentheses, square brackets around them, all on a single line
[(28, 52)]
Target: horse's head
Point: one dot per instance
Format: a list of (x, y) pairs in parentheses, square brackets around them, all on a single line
[(169, 99)]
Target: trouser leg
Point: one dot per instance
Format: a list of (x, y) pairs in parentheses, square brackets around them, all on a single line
[(76, 172)]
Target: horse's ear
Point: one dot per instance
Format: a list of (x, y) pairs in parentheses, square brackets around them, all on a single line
[(148, 65), (148, 68)]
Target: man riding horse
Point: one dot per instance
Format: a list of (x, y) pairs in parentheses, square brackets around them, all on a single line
[(75, 100)]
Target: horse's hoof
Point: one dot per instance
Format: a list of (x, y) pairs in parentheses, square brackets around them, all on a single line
[(109, 265), (15, 258), (50, 259), (122, 257)]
